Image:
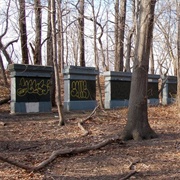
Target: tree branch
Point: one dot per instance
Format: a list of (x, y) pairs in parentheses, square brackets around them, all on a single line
[(80, 124), (62, 153)]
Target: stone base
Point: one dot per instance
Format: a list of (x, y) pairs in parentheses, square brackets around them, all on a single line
[(79, 105), (124, 103), (153, 101), (116, 104), (30, 107)]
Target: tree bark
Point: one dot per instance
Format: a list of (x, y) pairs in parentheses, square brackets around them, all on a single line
[(56, 67), (178, 51), (3, 73), (37, 55), (151, 60), (81, 33), (137, 126), (23, 32), (50, 53), (60, 37), (96, 56), (119, 35), (128, 55)]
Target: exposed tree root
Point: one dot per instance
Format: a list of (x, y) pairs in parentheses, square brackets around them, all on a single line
[(138, 134), (62, 153), (80, 124)]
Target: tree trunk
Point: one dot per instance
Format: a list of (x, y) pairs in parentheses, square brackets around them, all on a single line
[(120, 23), (37, 55), (3, 73), (60, 37), (56, 67), (128, 55), (137, 126), (151, 60), (81, 33), (129, 38), (96, 55), (23, 33), (107, 40), (116, 34), (50, 53), (178, 51)]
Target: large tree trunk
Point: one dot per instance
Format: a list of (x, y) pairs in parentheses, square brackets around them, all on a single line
[(23, 33), (137, 126)]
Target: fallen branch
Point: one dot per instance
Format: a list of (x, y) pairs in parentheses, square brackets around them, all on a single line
[(80, 124), (3, 101), (131, 166), (129, 175), (85, 132), (90, 116), (62, 153)]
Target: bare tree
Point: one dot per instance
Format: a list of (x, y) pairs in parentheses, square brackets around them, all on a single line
[(94, 19), (178, 50), (164, 40), (38, 17), (49, 44), (107, 37), (137, 126), (130, 37), (120, 17), (81, 33), (50, 52), (60, 35), (23, 32), (3, 47), (168, 42), (56, 67), (3, 73)]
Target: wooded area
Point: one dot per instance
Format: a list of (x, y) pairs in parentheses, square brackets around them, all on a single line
[(138, 36)]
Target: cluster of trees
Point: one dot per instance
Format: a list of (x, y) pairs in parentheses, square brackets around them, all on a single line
[(112, 34), (89, 32)]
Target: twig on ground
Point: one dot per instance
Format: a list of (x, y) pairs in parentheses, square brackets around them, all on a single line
[(129, 175), (4, 101), (90, 116), (131, 166), (80, 124), (85, 132)]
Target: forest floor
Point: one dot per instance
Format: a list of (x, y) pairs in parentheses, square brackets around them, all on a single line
[(30, 139)]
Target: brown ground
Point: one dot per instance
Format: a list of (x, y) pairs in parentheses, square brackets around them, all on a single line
[(30, 139)]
